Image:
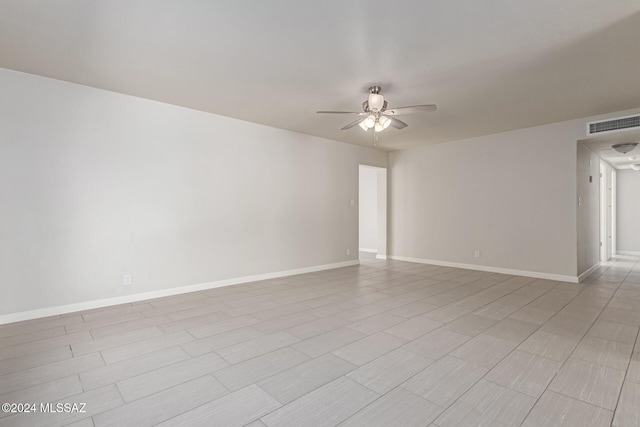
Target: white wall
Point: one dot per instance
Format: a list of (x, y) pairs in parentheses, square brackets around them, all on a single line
[(511, 195), (628, 210), (368, 209), (96, 184), (588, 211)]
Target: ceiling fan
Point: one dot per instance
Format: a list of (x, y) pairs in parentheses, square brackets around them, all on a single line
[(377, 116)]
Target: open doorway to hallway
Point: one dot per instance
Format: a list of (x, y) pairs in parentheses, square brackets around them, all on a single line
[(619, 186), (372, 212)]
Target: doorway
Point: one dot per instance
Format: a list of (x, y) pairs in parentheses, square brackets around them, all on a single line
[(607, 211), (372, 212)]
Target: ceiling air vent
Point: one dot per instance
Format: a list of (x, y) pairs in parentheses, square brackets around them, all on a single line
[(613, 125)]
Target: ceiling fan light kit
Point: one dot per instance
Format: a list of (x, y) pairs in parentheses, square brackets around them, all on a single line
[(625, 147), (377, 116)]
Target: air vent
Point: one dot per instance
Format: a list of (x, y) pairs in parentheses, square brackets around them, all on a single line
[(613, 125)]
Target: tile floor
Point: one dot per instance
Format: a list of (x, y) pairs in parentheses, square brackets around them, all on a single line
[(386, 343)]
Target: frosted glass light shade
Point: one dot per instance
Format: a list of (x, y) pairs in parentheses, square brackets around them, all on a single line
[(370, 121), (385, 122), (625, 148), (376, 102)]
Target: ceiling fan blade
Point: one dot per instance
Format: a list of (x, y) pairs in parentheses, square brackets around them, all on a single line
[(352, 124), (398, 124), (341, 112), (411, 109)]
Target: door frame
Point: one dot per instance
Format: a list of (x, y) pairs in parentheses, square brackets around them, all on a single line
[(382, 208), (607, 211), (603, 211)]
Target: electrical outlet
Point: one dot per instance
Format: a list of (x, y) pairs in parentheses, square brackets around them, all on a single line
[(127, 279), (348, 252), (477, 253)]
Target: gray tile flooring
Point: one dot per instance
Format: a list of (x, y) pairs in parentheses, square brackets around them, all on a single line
[(386, 343)]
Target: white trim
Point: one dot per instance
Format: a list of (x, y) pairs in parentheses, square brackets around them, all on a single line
[(88, 305), (614, 211), (381, 256), (535, 274), (631, 253), (602, 211), (588, 272), (375, 251)]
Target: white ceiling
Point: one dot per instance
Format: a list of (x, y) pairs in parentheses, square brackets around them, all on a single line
[(490, 66)]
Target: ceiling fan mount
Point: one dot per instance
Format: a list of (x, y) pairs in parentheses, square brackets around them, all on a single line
[(375, 114)]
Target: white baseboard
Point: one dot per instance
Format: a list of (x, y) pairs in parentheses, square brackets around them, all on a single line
[(374, 251), (88, 305), (588, 272), (381, 256), (535, 274), (632, 253)]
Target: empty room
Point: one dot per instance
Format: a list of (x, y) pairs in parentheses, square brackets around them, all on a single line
[(295, 213)]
